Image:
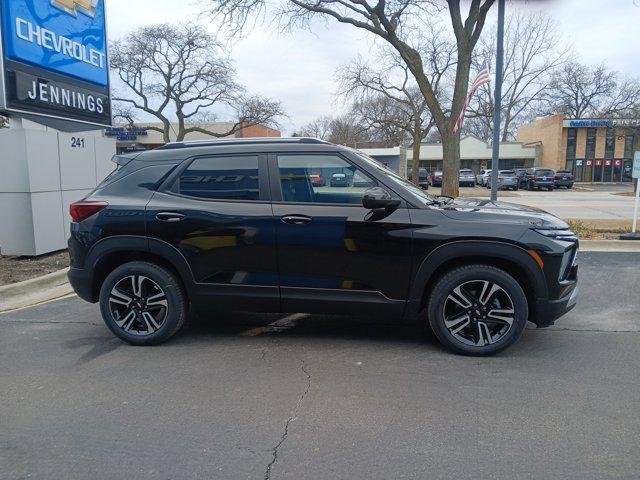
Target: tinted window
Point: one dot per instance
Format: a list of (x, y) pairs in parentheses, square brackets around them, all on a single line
[(628, 146), (222, 178), (321, 179), (572, 135), (590, 149), (609, 143)]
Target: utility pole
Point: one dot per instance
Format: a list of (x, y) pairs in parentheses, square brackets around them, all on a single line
[(497, 109)]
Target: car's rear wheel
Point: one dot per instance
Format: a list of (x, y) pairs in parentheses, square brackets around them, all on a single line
[(477, 310), (143, 303)]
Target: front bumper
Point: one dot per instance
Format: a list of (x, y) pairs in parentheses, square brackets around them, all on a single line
[(548, 311)]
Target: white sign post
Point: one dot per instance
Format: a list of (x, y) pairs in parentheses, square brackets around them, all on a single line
[(636, 175)]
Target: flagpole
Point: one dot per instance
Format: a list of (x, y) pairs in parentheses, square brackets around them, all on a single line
[(497, 109)]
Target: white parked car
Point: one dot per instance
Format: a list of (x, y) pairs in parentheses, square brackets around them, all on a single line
[(481, 179)]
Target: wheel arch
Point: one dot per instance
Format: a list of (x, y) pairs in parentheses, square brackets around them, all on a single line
[(511, 258), (110, 253)]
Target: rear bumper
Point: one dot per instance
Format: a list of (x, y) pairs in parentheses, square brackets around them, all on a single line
[(564, 183), (541, 184), (82, 283), (548, 311)]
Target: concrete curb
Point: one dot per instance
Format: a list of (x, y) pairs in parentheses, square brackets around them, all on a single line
[(609, 246), (35, 290)]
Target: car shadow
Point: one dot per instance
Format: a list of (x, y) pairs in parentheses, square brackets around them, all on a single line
[(319, 327)]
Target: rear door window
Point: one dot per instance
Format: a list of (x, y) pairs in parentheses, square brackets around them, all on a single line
[(221, 178)]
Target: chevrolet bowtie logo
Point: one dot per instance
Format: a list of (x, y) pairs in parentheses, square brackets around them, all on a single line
[(72, 7)]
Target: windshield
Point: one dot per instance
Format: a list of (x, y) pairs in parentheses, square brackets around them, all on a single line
[(397, 179)]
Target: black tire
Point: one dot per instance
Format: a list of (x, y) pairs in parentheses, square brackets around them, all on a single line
[(569, 187), (170, 316), (439, 300), (550, 189), (530, 187)]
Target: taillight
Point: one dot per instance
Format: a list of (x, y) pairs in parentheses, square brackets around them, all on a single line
[(85, 208)]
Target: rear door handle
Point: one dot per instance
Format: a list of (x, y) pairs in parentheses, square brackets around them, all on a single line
[(296, 219), (169, 216)]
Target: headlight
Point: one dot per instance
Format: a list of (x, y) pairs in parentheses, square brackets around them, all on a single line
[(566, 234)]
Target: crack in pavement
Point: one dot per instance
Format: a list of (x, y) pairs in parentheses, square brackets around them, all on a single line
[(274, 451)]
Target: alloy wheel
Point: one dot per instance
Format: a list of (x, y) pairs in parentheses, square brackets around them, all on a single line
[(138, 305), (478, 313)]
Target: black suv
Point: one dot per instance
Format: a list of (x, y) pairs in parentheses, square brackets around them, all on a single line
[(539, 178), (240, 224)]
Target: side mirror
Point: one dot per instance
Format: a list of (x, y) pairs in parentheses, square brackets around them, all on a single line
[(376, 198)]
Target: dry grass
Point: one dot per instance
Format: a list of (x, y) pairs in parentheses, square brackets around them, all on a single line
[(599, 229)]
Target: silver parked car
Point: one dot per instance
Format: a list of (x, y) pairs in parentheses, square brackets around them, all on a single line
[(466, 178), (507, 180)]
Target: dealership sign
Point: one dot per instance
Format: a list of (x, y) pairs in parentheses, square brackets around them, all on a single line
[(54, 59), (603, 122)]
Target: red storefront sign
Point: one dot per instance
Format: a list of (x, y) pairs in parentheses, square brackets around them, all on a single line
[(618, 163), (607, 163), (598, 163), (589, 162)]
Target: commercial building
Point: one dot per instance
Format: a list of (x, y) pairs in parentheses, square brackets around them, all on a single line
[(133, 138), (475, 154), (595, 150)]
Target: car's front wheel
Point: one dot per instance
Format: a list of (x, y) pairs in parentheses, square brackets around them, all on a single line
[(143, 303), (477, 310)]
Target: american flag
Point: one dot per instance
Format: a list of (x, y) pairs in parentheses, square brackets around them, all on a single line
[(482, 78)]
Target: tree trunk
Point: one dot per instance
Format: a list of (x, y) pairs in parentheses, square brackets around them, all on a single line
[(415, 164), (450, 163)]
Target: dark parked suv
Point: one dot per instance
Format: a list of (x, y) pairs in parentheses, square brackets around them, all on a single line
[(539, 178), (241, 224)]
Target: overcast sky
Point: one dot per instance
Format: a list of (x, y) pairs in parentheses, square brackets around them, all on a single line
[(298, 68)]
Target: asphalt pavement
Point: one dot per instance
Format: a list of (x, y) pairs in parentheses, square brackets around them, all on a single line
[(316, 397), (601, 201)]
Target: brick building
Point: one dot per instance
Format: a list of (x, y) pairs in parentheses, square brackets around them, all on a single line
[(595, 150)]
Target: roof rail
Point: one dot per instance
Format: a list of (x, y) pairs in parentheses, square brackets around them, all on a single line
[(238, 141)]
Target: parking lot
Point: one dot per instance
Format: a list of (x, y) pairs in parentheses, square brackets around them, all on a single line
[(256, 396), (598, 202)]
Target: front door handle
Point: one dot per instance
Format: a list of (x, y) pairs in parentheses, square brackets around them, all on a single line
[(169, 216), (296, 219)]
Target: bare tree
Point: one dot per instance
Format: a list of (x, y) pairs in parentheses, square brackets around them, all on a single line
[(346, 130), (398, 23), (533, 53), (385, 119), (318, 128), (182, 72), (343, 130), (389, 99), (579, 91)]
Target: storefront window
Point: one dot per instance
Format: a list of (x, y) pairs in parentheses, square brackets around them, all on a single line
[(572, 133), (609, 143), (590, 151), (628, 146)]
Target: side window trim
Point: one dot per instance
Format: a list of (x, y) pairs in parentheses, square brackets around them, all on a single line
[(171, 185)]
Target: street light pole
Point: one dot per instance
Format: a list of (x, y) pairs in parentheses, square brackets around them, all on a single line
[(497, 108)]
